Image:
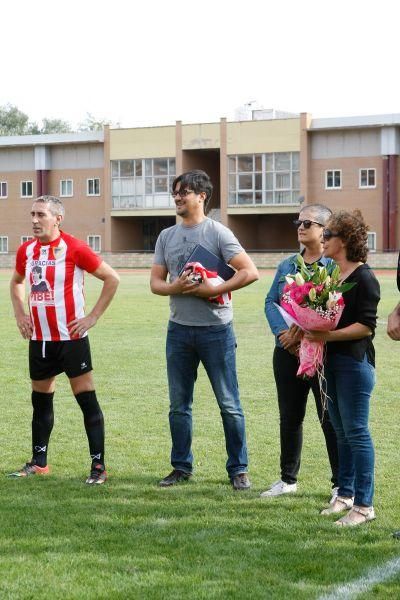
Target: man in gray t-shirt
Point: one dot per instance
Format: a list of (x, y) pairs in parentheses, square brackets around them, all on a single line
[(200, 330)]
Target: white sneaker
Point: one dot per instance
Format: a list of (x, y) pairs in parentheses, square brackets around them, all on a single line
[(278, 488)]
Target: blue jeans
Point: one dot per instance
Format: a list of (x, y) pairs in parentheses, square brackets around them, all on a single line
[(215, 347), (349, 386)]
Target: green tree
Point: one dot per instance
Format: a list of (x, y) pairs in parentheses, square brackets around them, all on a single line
[(55, 126), (33, 129), (92, 124), (13, 121)]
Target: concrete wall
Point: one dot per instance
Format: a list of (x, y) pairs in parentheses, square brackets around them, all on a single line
[(253, 137), (201, 136), (264, 231), (126, 233), (143, 142), (16, 159), (208, 161), (77, 156), (263, 260), (345, 144)]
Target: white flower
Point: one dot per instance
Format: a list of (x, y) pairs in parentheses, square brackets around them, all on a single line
[(289, 280), (333, 299), (299, 279), (327, 281)]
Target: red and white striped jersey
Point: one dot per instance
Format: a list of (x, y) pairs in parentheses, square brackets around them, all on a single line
[(54, 273)]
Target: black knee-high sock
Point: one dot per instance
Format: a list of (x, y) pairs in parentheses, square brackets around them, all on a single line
[(42, 425), (94, 424)]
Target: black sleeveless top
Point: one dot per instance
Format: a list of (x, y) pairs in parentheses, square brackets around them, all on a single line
[(360, 307), (398, 273)]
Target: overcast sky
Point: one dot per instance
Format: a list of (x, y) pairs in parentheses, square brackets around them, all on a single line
[(149, 62)]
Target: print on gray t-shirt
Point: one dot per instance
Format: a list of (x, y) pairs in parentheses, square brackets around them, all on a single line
[(173, 248)]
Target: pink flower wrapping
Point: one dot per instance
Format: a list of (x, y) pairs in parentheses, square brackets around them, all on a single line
[(311, 353), (313, 297)]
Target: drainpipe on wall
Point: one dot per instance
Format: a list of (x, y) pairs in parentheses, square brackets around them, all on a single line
[(223, 170), (385, 203), (42, 168), (390, 149), (389, 203), (45, 182), (305, 154), (42, 182), (392, 202), (39, 183)]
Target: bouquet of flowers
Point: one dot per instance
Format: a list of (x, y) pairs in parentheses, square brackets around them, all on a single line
[(313, 299)]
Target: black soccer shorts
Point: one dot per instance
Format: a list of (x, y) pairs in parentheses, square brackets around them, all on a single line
[(48, 359)]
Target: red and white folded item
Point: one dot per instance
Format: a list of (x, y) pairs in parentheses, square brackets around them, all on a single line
[(199, 273)]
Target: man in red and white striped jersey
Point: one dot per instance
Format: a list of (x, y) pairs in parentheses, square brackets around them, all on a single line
[(53, 265)]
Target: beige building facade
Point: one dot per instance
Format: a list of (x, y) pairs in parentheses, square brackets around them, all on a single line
[(254, 166), (116, 184)]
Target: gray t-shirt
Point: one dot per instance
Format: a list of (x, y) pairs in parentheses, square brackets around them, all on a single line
[(173, 247)]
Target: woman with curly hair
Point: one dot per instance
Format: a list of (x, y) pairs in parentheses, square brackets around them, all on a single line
[(350, 367)]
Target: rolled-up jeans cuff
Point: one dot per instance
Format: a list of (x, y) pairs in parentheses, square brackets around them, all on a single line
[(183, 470), (238, 472)]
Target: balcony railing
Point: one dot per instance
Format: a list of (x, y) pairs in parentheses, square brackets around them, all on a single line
[(265, 198), (150, 201)]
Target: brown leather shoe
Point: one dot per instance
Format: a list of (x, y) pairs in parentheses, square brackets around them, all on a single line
[(240, 482), (174, 477)]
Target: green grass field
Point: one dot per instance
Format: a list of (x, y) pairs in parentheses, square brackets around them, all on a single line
[(132, 539)]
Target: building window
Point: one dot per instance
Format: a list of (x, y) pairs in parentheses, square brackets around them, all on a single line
[(94, 242), (25, 238), (367, 178), (3, 189), (66, 188), (371, 241), (93, 187), (333, 180), (272, 178), (142, 183), (3, 244), (26, 189)]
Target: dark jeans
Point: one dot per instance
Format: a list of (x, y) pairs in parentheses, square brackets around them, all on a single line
[(215, 347), (292, 399), (350, 383)]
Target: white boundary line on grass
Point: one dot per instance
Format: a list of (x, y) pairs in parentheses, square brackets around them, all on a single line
[(364, 584)]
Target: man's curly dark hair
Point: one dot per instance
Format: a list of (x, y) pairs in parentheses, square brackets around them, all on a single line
[(198, 181), (353, 231)]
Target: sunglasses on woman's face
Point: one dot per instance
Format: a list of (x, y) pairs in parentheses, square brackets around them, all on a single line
[(306, 223), (327, 234)]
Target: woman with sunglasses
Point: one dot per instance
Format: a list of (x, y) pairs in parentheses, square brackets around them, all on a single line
[(293, 391), (349, 368)]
